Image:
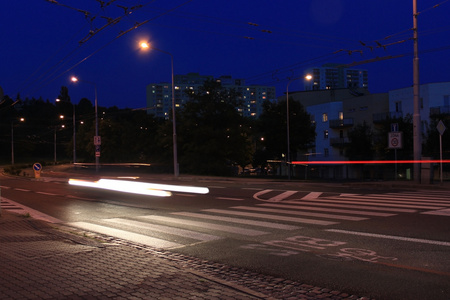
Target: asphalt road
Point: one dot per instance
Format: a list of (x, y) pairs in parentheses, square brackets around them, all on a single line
[(380, 243)]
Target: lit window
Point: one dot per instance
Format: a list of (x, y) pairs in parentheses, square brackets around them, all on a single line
[(325, 134), (341, 115), (324, 117)]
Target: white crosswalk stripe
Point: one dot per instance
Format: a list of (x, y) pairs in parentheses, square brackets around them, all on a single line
[(282, 212), (165, 229), (225, 228), (236, 220), (126, 235)]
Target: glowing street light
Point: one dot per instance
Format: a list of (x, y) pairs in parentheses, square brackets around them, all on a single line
[(146, 46), (96, 138)]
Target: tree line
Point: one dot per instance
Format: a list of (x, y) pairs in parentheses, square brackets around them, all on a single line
[(213, 138)]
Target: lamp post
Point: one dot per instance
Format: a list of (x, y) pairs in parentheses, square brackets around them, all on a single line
[(96, 137), (417, 131), (145, 45), (12, 139), (288, 161), (74, 132)]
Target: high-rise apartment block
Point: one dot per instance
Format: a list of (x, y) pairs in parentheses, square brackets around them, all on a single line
[(159, 95), (335, 76)]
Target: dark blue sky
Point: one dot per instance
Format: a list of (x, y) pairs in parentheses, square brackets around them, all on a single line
[(264, 41)]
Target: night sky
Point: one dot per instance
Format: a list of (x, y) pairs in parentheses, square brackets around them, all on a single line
[(44, 43)]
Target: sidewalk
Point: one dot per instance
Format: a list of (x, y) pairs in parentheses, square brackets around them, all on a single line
[(41, 261)]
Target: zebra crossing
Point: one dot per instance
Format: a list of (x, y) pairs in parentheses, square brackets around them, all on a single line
[(285, 212)]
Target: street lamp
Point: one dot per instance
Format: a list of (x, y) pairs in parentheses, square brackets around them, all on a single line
[(96, 137), (12, 139), (307, 77), (74, 133), (145, 46)]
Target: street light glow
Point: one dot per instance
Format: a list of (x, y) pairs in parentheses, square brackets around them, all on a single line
[(144, 45), (74, 79)]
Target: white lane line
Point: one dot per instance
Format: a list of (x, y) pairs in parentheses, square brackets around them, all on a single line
[(47, 194), (391, 237), (312, 196), (232, 199), (22, 190), (236, 220), (282, 196), (126, 235), (279, 218), (301, 213), (165, 229), (303, 203), (225, 228), (344, 211)]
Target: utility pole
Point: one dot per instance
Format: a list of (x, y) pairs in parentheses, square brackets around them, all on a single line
[(417, 132)]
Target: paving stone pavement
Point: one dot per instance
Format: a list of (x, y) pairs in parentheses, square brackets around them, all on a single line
[(41, 261)]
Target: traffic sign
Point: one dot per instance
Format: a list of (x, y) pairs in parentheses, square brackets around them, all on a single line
[(97, 151), (441, 127), (37, 167), (394, 127), (395, 140), (97, 140)]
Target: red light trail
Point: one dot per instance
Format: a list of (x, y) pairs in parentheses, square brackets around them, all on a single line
[(352, 162)]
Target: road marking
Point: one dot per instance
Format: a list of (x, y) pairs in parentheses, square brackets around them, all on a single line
[(399, 201), (301, 205), (226, 198), (345, 211), (279, 218), (32, 212), (48, 194), (442, 212), (225, 228), (236, 220), (165, 229), (22, 190), (282, 196), (126, 235), (391, 237), (302, 213), (373, 203), (312, 196)]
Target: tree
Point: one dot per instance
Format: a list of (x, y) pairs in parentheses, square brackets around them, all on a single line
[(272, 127), (361, 143), (212, 136)]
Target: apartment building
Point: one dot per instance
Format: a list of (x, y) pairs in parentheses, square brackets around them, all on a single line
[(335, 76), (159, 95)]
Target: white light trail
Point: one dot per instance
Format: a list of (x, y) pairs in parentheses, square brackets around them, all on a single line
[(136, 187)]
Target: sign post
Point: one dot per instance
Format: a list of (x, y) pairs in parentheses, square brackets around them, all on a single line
[(395, 141), (441, 128)]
